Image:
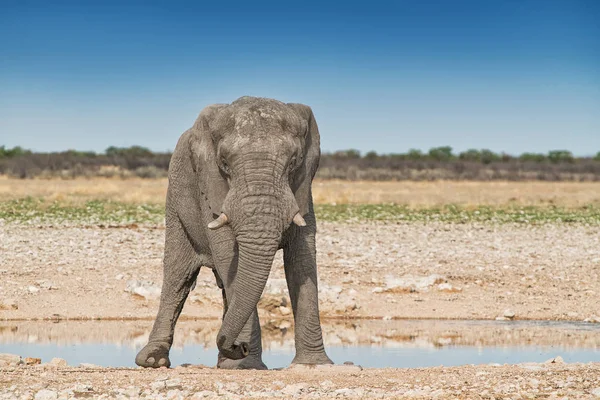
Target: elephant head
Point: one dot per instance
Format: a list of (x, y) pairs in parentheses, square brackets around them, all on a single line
[(257, 158)]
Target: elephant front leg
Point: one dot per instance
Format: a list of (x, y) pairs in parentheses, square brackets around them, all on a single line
[(181, 267), (250, 334), (301, 275)]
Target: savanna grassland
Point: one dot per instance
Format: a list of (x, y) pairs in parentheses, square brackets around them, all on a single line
[(91, 248)]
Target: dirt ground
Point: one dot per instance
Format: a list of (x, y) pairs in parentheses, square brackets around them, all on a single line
[(525, 381), (458, 271)]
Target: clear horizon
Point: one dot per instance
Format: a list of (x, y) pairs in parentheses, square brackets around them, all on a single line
[(509, 76)]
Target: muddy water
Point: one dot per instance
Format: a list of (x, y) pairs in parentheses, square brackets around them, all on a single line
[(368, 343)]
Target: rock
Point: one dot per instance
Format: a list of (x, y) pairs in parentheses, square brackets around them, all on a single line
[(82, 388), (508, 313), (147, 290), (10, 359), (276, 287), (555, 360), (58, 362), (446, 287), (175, 394), (294, 389), (158, 385), (46, 394), (8, 304), (203, 394), (47, 285), (410, 283), (326, 367), (33, 289), (502, 319), (173, 383), (594, 319), (284, 310), (87, 365), (119, 277), (32, 361)]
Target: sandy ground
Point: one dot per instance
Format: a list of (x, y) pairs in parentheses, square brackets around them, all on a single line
[(466, 271), (368, 271), (526, 381)]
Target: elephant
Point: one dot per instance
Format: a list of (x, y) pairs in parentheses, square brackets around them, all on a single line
[(239, 190)]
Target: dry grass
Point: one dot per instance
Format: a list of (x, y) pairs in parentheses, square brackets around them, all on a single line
[(412, 194)]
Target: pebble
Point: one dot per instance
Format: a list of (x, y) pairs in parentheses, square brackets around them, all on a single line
[(46, 394), (9, 304), (173, 383), (10, 359), (508, 313), (203, 394), (58, 362), (145, 289), (33, 361), (285, 310), (412, 283), (33, 289)]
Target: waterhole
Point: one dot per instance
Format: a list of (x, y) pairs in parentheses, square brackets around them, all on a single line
[(398, 344)]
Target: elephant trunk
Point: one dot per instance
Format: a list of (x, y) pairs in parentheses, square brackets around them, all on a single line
[(257, 249)]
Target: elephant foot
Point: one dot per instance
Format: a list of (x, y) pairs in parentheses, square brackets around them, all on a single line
[(154, 355), (253, 361), (312, 358)]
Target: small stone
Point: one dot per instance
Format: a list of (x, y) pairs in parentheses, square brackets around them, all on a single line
[(157, 385), (285, 310), (33, 289), (203, 394), (10, 359), (88, 365), (594, 319), (294, 389), (8, 304), (508, 313), (58, 362), (232, 386), (32, 361), (173, 383), (46, 394), (555, 360), (144, 289), (502, 319), (119, 277)]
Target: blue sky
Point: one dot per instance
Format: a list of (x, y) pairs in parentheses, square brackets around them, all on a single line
[(511, 76)]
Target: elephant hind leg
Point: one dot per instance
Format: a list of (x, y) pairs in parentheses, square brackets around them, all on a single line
[(181, 266)]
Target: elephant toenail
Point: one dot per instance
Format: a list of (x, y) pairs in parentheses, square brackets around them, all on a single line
[(150, 360), (162, 361)]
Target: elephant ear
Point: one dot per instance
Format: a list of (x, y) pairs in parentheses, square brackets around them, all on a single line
[(213, 184), (302, 180)]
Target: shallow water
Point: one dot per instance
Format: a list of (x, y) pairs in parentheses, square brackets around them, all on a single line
[(368, 343)]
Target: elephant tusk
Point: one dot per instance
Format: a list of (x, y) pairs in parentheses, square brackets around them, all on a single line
[(219, 222), (298, 220)]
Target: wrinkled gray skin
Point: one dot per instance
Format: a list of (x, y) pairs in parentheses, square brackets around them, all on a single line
[(253, 161)]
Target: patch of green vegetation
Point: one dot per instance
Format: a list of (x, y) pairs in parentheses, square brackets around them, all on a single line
[(454, 214), (96, 212)]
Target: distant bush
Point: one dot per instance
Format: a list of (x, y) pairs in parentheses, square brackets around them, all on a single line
[(437, 163)]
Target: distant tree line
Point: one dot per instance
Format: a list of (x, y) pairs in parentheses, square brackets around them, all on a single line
[(437, 163)]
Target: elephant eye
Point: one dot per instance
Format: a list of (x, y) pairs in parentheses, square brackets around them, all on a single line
[(294, 162), (224, 166)]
